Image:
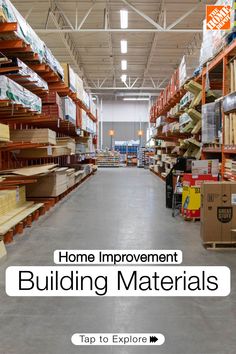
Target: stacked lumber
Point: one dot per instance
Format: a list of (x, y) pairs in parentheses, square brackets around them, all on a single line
[(41, 136), (52, 105), (14, 208), (70, 177), (67, 142), (23, 176), (50, 185), (37, 170), (230, 129), (4, 133), (43, 152)]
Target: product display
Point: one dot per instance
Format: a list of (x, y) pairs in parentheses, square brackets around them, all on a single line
[(108, 159)]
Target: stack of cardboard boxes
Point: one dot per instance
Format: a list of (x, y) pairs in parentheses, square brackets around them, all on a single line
[(218, 212)]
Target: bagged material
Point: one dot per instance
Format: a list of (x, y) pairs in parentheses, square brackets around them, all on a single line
[(10, 90)]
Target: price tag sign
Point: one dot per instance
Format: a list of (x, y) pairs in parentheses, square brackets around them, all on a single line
[(49, 150)]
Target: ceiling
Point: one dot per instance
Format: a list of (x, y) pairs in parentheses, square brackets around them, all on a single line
[(87, 35)]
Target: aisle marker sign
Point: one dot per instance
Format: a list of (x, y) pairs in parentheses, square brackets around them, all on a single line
[(218, 17)]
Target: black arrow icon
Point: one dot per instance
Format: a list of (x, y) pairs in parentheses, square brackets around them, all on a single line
[(153, 339)]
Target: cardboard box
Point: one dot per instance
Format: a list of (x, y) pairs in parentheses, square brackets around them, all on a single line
[(218, 212)]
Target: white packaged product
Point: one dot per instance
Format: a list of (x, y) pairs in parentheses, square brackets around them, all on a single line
[(10, 90), (69, 109)]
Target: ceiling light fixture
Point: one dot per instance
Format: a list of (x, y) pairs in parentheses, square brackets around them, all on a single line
[(124, 64), (136, 99), (123, 78), (123, 46), (123, 19)]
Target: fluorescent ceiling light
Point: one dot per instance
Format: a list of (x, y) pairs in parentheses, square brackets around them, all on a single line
[(123, 46), (123, 78), (136, 99), (124, 64), (123, 19)]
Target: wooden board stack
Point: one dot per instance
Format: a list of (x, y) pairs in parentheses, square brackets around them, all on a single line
[(50, 151), (14, 208), (50, 185), (67, 142), (41, 136), (4, 133), (230, 119)]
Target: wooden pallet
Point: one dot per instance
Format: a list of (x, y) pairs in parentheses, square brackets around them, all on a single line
[(220, 245), (191, 219)]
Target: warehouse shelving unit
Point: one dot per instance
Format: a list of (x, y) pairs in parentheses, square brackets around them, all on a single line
[(16, 116), (218, 71)]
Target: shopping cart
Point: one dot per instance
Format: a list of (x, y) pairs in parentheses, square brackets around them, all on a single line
[(177, 196)]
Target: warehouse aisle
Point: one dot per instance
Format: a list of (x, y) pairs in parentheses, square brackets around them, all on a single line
[(116, 209)]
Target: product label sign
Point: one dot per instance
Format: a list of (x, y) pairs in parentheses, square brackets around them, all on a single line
[(233, 199), (224, 214), (218, 17)]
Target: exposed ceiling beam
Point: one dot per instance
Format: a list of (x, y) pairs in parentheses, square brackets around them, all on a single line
[(180, 19), (142, 14), (110, 44), (59, 20), (153, 45), (85, 17), (118, 30), (125, 88)]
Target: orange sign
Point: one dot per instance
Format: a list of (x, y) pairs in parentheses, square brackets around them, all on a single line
[(218, 17)]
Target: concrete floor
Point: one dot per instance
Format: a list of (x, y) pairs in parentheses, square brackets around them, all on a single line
[(116, 209)]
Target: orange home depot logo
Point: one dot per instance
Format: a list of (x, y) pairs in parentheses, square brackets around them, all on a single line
[(218, 17)]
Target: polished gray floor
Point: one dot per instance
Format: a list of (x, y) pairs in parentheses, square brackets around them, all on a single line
[(116, 209)]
